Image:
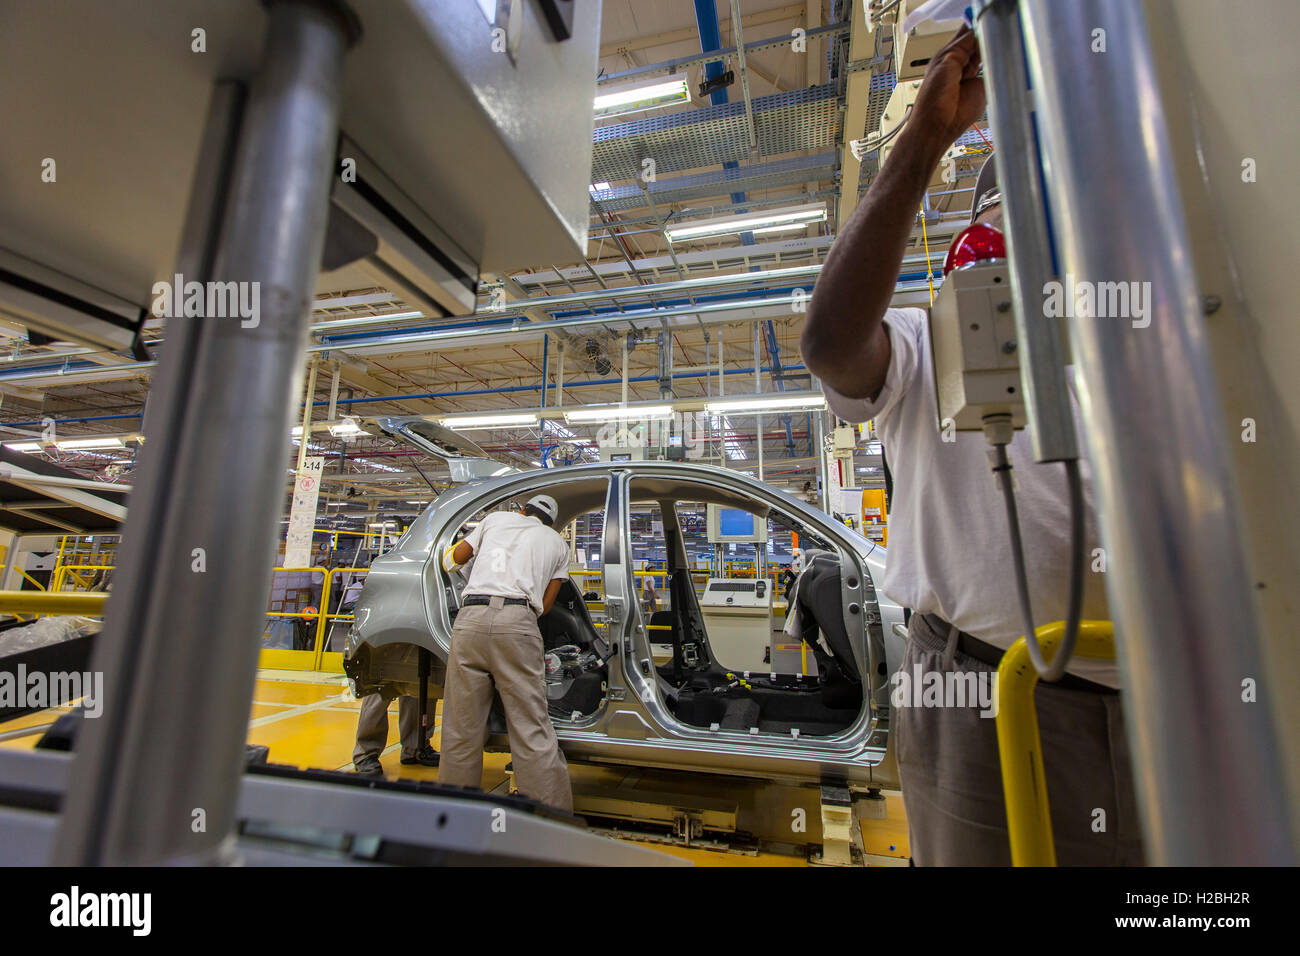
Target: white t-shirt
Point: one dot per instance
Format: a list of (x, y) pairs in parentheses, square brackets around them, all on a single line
[(949, 548), (516, 556)]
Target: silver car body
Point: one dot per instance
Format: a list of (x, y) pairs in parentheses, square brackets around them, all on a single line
[(408, 602)]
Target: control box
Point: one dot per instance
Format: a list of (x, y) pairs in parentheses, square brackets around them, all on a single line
[(974, 345), (738, 620)]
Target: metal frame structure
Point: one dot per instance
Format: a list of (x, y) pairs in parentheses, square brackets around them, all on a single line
[(257, 214), (1210, 781)]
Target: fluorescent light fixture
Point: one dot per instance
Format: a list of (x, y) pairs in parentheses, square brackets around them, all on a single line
[(515, 420), (643, 96), (76, 443), (788, 227), (728, 225), (768, 403), (347, 428), (27, 446), (604, 413), (296, 431), (599, 187), (374, 464)]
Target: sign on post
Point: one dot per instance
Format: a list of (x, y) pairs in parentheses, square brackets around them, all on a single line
[(302, 516)]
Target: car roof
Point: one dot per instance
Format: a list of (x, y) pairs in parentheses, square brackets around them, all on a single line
[(581, 488)]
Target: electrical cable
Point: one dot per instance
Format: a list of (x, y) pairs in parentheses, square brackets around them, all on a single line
[(929, 270), (1074, 608)]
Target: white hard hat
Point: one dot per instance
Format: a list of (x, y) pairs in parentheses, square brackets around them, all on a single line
[(546, 505)]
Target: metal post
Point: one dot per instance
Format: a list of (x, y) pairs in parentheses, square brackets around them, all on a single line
[(337, 369), (155, 779), (1040, 345), (559, 375), (9, 561), (546, 365), (758, 387), (625, 370), (821, 460), (722, 375), (738, 38), (308, 398), (1208, 764)]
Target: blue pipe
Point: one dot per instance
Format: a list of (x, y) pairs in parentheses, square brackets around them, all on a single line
[(706, 21), (778, 378)]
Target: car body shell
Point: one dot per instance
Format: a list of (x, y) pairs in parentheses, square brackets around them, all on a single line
[(408, 600)]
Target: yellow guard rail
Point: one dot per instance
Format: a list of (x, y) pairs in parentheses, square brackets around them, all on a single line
[(1020, 749)]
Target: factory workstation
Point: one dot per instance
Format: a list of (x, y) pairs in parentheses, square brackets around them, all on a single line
[(833, 434)]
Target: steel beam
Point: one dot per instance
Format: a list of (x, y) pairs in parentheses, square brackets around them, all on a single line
[(180, 644), (1206, 758)]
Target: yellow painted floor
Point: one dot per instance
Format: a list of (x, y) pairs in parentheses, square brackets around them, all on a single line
[(309, 720)]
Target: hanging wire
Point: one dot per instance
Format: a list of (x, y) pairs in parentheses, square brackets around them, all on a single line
[(929, 272)]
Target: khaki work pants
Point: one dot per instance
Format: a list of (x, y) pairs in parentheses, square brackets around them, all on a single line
[(498, 645), (372, 726)]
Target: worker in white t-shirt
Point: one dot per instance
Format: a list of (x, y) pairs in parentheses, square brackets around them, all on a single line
[(520, 562), (950, 560)]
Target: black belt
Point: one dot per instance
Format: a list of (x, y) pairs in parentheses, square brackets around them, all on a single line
[(478, 599), (986, 653)]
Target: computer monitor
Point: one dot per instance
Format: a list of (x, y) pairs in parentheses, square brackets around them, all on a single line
[(735, 526)]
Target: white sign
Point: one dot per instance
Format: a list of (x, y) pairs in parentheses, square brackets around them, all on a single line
[(833, 483), (302, 516)]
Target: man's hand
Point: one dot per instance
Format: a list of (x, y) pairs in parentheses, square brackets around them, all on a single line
[(552, 591), (951, 96)]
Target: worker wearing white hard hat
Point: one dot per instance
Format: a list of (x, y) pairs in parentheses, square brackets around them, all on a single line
[(520, 562)]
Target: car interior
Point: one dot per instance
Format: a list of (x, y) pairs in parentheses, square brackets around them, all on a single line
[(696, 687), (699, 688)]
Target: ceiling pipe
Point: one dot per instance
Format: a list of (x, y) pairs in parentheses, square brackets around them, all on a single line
[(715, 312), (471, 393)]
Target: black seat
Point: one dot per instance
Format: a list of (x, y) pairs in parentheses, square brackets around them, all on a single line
[(821, 598), (568, 621), (663, 619)]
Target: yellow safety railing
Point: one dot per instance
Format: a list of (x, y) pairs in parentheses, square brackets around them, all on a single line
[(37, 584), (1020, 750), (62, 574), (92, 603), (86, 604), (323, 657)]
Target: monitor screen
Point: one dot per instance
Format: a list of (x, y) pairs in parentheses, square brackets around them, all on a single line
[(734, 523)]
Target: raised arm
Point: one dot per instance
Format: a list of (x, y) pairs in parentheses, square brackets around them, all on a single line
[(844, 340)]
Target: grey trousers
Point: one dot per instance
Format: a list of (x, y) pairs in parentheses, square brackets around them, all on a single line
[(952, 780), (372, 727), (500, 646)]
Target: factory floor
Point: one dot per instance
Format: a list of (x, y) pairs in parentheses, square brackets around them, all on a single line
[(308, 719)]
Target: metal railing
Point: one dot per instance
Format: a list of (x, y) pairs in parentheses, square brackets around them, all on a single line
[(1020, 750), (67, 574)]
